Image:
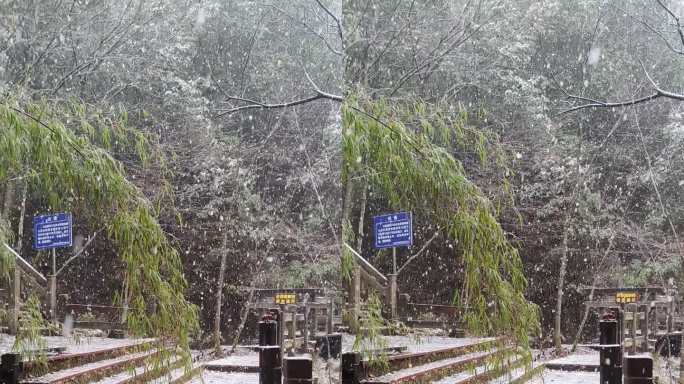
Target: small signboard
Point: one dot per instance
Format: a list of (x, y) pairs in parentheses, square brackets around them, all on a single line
[(285, 298), (393, 230), (52, 231), (626, 297)]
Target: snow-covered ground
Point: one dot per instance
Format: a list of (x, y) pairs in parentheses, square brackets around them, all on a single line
[(242, 360), (564, 377), (212, 377), (582, 357), (73, 345), (417, 344), (667, 370)]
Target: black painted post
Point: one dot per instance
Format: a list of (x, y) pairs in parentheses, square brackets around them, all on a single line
[(351, 368), (268, 331), (269, 365), (10, 368), (330, 346), (298, 370), (638, 369), (611, 366), (608, 332)]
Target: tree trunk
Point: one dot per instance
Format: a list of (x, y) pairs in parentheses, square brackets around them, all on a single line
[(243, 319), (219, 295), (16, 301), (681, 302), (362, 216), (591, 296), (8, 201), (347, 205), (558, 316), (557, 338)]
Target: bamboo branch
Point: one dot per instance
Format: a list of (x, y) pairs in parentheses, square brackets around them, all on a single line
[(51, 129)]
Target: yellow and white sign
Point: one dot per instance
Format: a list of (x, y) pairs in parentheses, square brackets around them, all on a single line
[(285, 298), (626, 297)]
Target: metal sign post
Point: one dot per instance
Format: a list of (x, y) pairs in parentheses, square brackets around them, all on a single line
[(52, 232), (392, 231)]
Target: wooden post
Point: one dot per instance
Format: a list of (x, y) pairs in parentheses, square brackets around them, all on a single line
[(654, 323), (281, 329), (313, 320), (292, 332), (644, 330), (305, 329), (633, 330)]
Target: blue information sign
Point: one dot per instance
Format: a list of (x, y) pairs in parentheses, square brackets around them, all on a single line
[(52, 231), (393, 230)]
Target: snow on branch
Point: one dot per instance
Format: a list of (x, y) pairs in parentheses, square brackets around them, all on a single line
[(593, 103), (253, 104), (680, 30)]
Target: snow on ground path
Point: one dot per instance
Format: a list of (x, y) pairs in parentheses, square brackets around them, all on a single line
[(418, 344), (564, 377), (514, 375), (396, 375), (586, 358), (667, 370), (73, 345), (212, 377), (238, 360)]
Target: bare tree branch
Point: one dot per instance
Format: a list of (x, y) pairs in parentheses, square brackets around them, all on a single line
[(662, 37), (659, 93), (340, 33), (680, 30), (310, 29), (254, 104), (413, 257), (602, 104), (80, 252), (259, 105)]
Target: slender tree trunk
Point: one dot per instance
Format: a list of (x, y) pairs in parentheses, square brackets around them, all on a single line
[(558, 316), (22, 213), (557, 338), (362, 216), (347, 205), (681, 302), (219, 294), (594, 281), (9, 201), (243, 318), (347, 237), (14, 321), (357, 282)]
